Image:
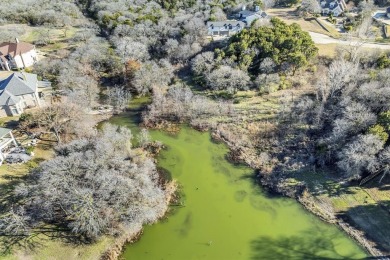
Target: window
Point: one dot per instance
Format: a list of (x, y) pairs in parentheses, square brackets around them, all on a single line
[(14, 111)]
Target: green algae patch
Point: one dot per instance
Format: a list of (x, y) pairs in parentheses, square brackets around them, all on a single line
[(223, 214)]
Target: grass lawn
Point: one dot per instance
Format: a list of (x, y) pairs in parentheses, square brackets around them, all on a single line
[(9, 122), (366, 207), (327, 50), (289, 16), (46, 248), (41, 246), (32, 34)]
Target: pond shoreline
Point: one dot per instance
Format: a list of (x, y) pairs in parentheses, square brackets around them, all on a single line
[(302, 195), (299, 193), (133, 234), (322, 210)]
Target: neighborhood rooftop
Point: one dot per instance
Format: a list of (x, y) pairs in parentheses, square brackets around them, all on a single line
[(246, 12), (14, 48), (4, 131), (335, 7), (15, 85), (225, 24)]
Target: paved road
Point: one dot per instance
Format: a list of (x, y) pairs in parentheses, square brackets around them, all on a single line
[(324, 39)]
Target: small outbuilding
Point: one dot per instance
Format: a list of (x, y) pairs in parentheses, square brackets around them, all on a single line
[(388, 12)]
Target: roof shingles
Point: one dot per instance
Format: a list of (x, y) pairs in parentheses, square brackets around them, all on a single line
[(16, 85), (15, 48)]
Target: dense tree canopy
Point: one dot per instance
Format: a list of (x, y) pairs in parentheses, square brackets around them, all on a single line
[(349, 119), (287, 45), (93, 186), (39, 12)]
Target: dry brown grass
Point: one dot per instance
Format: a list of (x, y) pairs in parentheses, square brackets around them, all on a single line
[(289, 16), (327, 50), (31, 34)]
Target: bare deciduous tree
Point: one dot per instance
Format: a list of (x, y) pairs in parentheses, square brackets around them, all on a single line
[(93, 186), (229, 79), (118, 97), (310, 6), (360, 156)]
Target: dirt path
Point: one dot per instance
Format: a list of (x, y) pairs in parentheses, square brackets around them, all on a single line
[(319, 38)]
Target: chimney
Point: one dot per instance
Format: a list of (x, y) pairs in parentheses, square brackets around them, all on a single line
[(257, 8), (17, 40), (243, 8)]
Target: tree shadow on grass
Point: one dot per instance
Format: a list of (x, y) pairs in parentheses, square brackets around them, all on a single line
[(7, 197), (37, 237), (306, 247), (334, 189), (373, 220), (12, 124)]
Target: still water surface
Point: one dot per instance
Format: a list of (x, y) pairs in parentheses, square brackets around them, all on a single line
[(225, 215)]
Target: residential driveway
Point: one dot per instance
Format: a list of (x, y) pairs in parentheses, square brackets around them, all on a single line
[(324, 39)]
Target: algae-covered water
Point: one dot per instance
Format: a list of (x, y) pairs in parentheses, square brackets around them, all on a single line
[(224, 214)]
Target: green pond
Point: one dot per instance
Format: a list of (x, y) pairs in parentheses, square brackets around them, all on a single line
[(224, 214)]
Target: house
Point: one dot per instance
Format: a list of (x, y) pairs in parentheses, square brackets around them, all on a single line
[(248, 16), (224, 28), (17, 92), (388, 12), (334, 7), (230, 27), (17, 55), (6, 140)]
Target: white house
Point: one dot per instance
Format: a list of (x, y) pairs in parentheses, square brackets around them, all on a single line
[(17, 55), (248, 16), (17, 92), (6, 140), (224, 28), (334, 7)]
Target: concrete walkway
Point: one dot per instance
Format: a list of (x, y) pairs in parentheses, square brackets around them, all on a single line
[(319, 38)]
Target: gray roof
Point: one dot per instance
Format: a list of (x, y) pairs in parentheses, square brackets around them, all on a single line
[(30, 79), (225, 23), (4, 131), (16, 85), (260, 15), (246, 13), (328, 2)]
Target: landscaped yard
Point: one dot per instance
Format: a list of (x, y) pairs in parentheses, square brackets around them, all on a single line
[(289, 16), (56, 38)]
